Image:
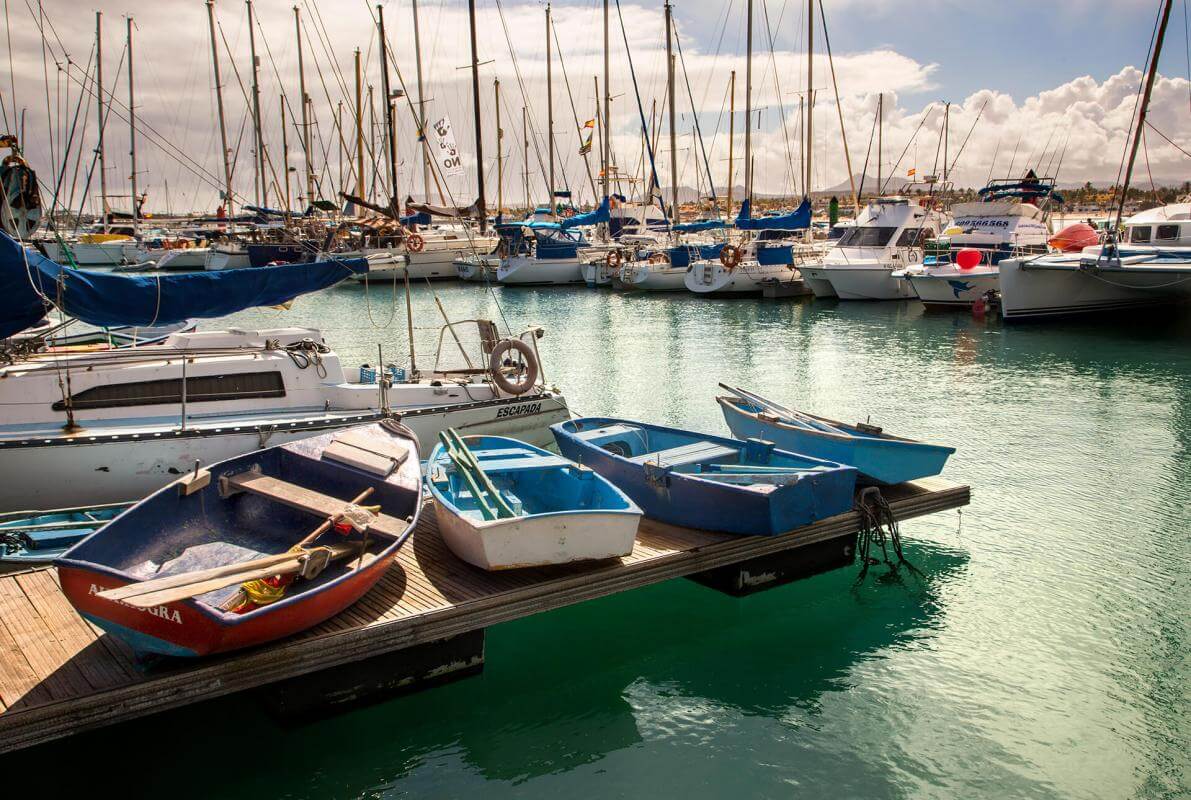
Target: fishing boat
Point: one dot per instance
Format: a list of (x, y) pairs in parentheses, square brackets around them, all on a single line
[(704, 481), (503, 504), (888, 235), (30, 538), (963, 264), (252, 549), (877, 456)]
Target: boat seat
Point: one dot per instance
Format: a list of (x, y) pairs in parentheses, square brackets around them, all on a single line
[(516, 463), (608, 431), (693, 453), (303, 499)]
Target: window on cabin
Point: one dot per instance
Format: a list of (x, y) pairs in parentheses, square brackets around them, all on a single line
[(914, 237), (199, 389), (1139, 233), (868, 236), (1166, 232)]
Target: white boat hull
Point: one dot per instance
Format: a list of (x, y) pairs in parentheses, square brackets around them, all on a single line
[(817, 281), (867, 283), (596, 273), (226, 259), (538, 541), (953, 288), (645, 277), (477, 269), (1031, 291), (61, 471), (527, 271), (712, 277), (100, 254), (185, 258)]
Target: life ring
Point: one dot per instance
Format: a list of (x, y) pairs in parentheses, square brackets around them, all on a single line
[(730, 256), (514, 378), (613, 260), (415, 243)]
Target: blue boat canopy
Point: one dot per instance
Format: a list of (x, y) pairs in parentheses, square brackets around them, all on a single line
[(418, 218), (108, 299), (700, 225), (797, 220), (601, 214)]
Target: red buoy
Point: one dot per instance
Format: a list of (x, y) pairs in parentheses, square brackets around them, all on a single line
[(1074, 238), (967, 258)]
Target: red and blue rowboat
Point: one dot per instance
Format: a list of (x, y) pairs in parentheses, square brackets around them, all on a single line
[(250, 509)]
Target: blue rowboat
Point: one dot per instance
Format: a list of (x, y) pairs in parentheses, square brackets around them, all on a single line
[(503, 504), (878, 456), (29, 538), (710, 482)]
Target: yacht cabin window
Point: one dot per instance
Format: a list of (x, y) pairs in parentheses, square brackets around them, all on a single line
[(1167, 232), (199, 389), (868, 236), (1139, 234), (914, 237)]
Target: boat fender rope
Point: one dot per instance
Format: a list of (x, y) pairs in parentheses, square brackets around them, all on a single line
[(878, 525)]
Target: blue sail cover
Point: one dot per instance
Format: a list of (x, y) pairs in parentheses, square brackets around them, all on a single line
[(797, 220), (700, 225), (109, 299), (601, 214)]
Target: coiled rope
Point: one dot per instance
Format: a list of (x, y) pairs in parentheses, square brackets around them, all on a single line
[(878, 526)]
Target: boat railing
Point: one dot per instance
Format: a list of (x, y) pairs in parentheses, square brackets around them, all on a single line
[(473, 341)]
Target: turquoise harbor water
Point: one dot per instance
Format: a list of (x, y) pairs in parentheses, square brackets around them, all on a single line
[(1043, 652)]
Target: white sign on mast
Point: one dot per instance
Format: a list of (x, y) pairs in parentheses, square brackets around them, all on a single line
[(449, 160)]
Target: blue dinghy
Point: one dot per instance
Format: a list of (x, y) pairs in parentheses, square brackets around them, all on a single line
[(503, 504), (709, 482), (28, 538), (879, 457)]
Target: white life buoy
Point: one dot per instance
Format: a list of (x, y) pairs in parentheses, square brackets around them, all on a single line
[(514, 377)]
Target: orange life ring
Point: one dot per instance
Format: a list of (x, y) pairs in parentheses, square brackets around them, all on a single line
[(613, 260), (415, 243), (730, 256)]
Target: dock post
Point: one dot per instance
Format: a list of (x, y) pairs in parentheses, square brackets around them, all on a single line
[(766, 572), (375, 679)]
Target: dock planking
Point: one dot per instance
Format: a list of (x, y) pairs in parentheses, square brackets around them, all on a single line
[(60, 675)]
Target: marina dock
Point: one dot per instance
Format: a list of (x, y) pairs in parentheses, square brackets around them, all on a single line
[(423, 623)]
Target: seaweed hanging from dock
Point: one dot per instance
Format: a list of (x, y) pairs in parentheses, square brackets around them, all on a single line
[(878, 525)]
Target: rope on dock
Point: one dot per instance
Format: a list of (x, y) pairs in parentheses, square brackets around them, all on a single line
[(878, 525)]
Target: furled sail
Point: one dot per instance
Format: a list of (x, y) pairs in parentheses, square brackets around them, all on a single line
[(28, 279), (797, 220), (699, 225), (601, 214), (442, 211)]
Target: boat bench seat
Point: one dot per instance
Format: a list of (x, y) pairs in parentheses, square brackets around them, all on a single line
[(693, 453), (515, 463), (608, 431), (303, 499)]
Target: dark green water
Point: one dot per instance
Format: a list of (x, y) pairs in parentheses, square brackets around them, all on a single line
[(1044, 652)]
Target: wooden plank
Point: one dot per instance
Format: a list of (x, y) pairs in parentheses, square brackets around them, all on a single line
[(304, 499), (429, 595)]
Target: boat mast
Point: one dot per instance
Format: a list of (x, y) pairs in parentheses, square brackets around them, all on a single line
[(421, 121), (132, 129), (481, 206), (880, 131), (810, 93), (225, 153), (1141, 116), (549, 114), (359, 127), (946, 138), (103, 174), (673, 138), (525, 157), (262, 185), (605, 133), (748, 106), (285, 154), (305, 100), (390, 139), (500, 167), (731, 138)]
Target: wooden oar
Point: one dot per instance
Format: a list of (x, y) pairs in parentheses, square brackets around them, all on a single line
[(186, 578), (294, 564), (474, 474), (790, 414), (463, 468)]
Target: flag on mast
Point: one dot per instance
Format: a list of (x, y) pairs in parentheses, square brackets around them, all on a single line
[(589, 129)]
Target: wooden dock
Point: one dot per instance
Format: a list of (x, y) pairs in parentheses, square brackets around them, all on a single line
[(59, 675)]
